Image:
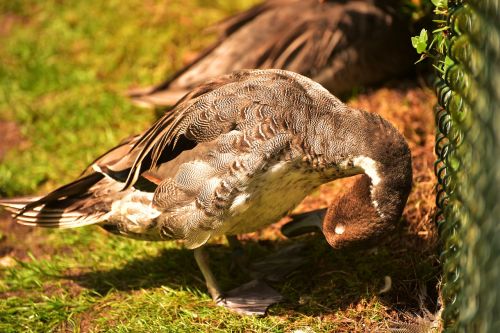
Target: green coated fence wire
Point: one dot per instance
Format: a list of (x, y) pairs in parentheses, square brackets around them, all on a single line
[(468, 166)]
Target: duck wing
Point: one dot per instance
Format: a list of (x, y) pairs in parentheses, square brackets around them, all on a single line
[(236, 101), (237, 126)]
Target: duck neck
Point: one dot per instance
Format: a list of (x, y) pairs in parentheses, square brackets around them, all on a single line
[(388, 188)]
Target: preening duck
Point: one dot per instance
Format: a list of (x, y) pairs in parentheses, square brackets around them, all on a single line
[(234, 155), (340, 44)]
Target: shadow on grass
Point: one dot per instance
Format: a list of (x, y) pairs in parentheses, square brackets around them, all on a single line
[(172, 267), (328, 281)]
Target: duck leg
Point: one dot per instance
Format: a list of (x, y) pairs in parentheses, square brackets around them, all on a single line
[(201, 258), (252, 298)]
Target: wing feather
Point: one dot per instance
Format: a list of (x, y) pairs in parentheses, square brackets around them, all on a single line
[(229, 102)]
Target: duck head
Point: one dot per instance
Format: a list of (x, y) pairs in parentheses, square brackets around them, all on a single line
[(355, 220), (373, 206)]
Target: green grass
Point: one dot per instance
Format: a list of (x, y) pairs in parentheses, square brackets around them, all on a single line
[(63, 69), (65, 66), (97, 283)]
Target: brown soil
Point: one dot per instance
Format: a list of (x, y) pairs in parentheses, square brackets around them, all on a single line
[(17, 240), (64, 288), (10, 137), (11, 235), (8, 21)]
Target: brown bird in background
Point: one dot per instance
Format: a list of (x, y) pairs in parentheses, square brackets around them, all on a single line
[(341, 44)]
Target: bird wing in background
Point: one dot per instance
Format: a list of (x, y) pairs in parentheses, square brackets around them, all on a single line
[(341, 45)]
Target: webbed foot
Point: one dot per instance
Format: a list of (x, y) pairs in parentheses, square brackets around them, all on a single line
[(251, 298)]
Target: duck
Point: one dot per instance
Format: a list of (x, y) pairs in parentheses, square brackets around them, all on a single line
[(234, 155), (341, 44)]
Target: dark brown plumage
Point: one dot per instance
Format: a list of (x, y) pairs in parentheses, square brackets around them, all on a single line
[(340, 44)]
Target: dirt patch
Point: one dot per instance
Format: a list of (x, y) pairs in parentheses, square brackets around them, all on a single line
[(8, 21), (11, 236), (13, 293), (85, 321), (11, 137), (17, 241), (68, 287)]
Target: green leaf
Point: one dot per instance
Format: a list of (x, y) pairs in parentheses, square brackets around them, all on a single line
[(441, 4), (420, 42), (448, 62)]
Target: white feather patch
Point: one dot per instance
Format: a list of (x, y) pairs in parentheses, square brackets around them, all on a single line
[(371, 169), (239, 203), (369, 166), (136, 209)]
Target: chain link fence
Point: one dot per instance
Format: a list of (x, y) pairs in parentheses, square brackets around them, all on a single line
[(468, 166)]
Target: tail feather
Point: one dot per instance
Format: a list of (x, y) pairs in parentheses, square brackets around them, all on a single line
[(77, 187), (49, 214), (62, 208), (60, 222), (16, 205)]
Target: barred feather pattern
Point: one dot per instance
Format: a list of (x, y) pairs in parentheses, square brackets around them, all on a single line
[(234, 155)]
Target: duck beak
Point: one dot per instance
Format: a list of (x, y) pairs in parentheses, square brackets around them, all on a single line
[(304, 223)]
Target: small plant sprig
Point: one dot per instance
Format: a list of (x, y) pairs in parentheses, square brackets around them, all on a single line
[(440, 42)]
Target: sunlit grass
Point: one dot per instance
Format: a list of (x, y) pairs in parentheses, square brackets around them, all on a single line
[(64, 67), (99, 283)]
